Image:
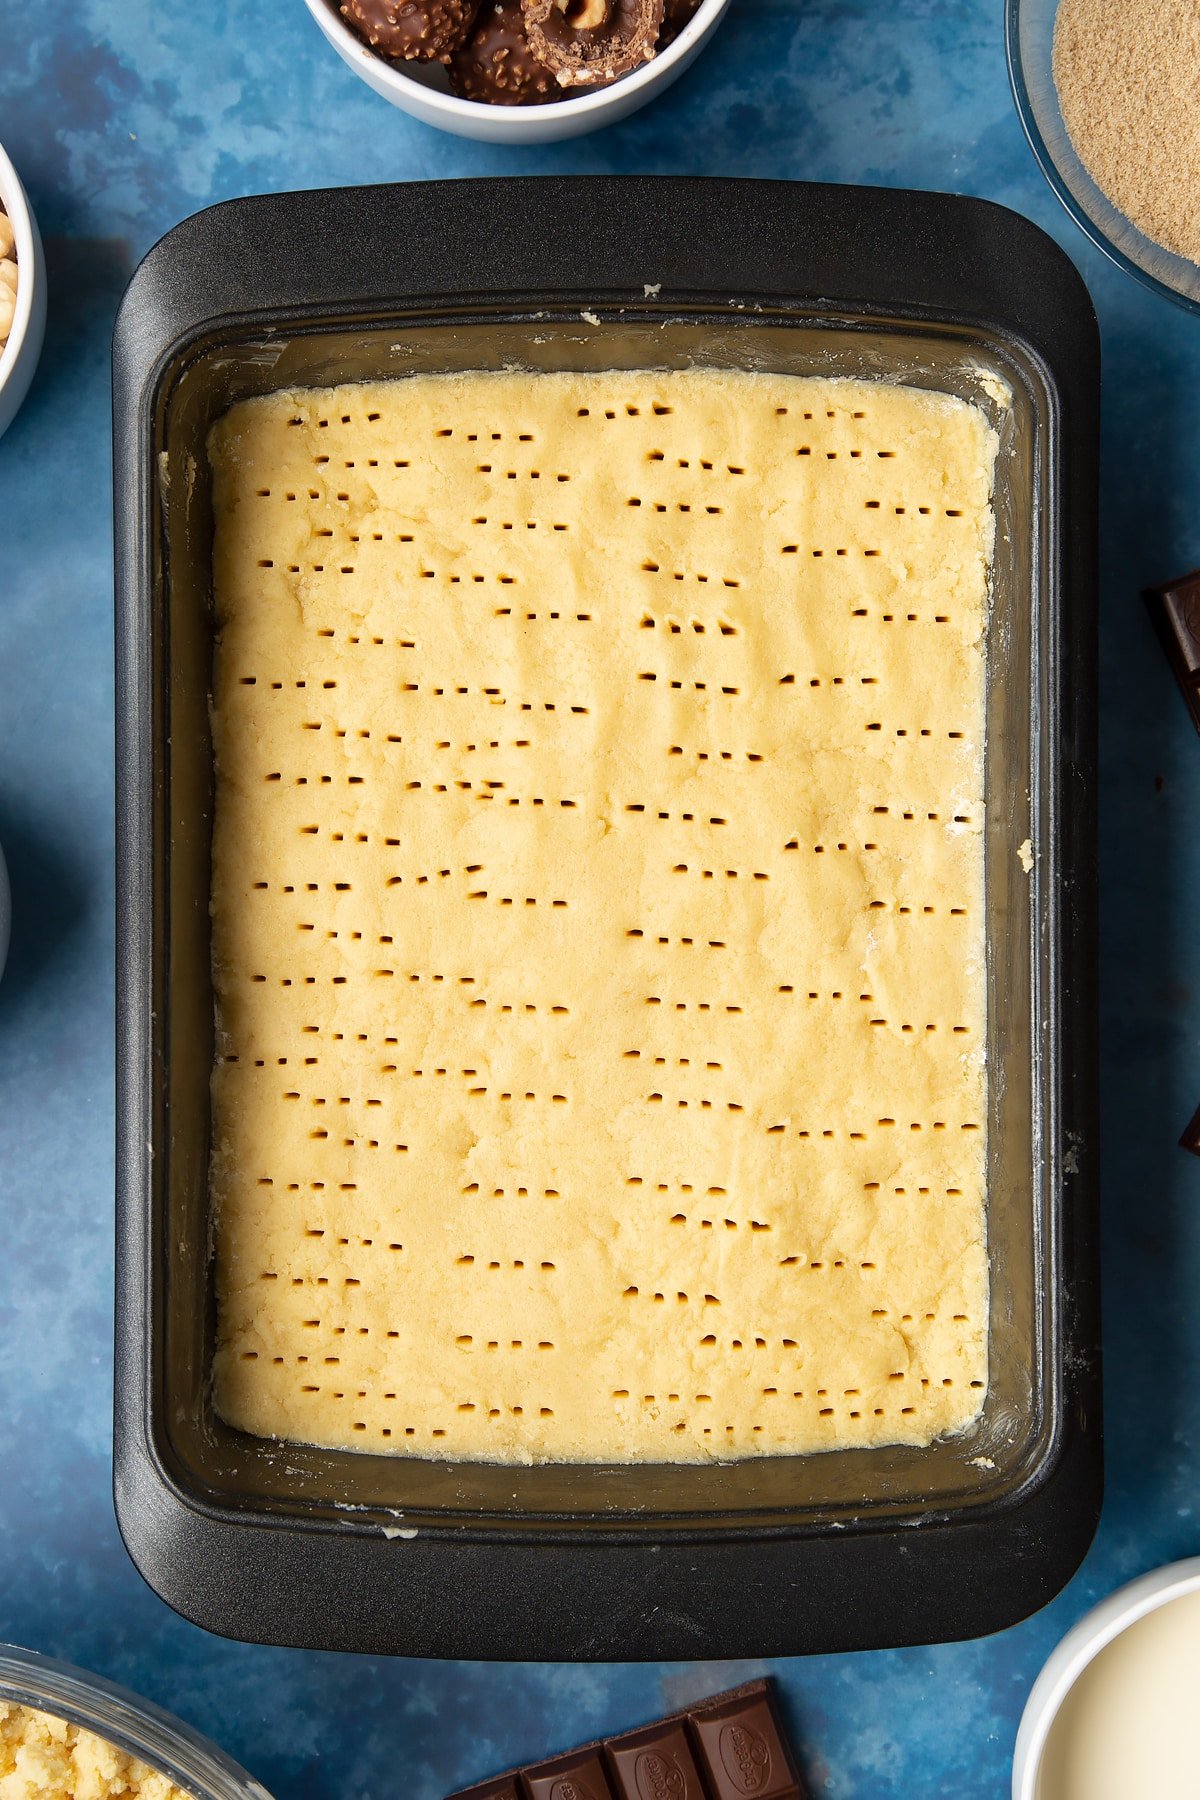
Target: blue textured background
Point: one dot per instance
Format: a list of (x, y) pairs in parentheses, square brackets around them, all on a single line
[(122, 116)]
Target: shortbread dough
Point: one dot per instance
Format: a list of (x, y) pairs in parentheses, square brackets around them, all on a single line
[(598, 915), (43, 1757)]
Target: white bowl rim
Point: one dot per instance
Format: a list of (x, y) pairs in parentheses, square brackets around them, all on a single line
[(1082, 1644), (16, 205), (451, 106)]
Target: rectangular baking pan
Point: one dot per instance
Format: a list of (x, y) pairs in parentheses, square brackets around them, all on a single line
[(852, 1549)]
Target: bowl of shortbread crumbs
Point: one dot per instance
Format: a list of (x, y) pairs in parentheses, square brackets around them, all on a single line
[(69, 1735), (22, 296), (1115, 128)]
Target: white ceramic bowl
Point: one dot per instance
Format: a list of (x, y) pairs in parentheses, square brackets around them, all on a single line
[(422, 89), (1081, 1645), (19, 357)]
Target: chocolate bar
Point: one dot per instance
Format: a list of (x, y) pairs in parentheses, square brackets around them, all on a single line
[(731, 1747), (1175, 609), (1191, 1134)]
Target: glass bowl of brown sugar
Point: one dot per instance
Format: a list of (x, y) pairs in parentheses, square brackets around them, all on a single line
[(1108, 99)]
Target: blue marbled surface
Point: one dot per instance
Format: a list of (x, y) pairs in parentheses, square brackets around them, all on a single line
[(122, 116)]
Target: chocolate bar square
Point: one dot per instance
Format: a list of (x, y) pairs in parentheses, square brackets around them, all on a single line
[(655, 1764), (579, 1775), (742, 1752)]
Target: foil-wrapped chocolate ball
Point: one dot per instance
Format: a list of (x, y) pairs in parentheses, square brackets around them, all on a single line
[(496, 64), (411, 30), (589, 43)]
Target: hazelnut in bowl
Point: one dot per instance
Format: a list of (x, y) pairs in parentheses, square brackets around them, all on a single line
[(22, 293), (518, 71)]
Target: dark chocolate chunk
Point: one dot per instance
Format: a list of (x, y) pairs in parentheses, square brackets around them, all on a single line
[(501, 1787), (742, 1751), (411, 30), (496, 64), (1191, 1134), (577, 1776), (655, 1763), (1175, 609), (589, 43)]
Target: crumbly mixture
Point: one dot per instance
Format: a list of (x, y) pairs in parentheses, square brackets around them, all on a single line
[(598, 915), (1128, 80), (8, 277), (45, 1758)]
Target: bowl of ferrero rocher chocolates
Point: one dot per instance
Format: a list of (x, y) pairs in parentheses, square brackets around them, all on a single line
[(518, 71)]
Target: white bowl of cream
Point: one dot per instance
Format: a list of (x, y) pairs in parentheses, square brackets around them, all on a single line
[(1115, 1713)]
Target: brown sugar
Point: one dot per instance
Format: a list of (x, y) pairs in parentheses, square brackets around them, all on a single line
[(1128, 80)]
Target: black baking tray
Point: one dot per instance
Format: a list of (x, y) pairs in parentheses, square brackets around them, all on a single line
[(847, 1550)]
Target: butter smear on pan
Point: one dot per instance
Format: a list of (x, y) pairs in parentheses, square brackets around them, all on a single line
[(598, 922)]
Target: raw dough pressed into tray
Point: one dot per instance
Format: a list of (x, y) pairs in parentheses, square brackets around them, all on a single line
[(598, 915)]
